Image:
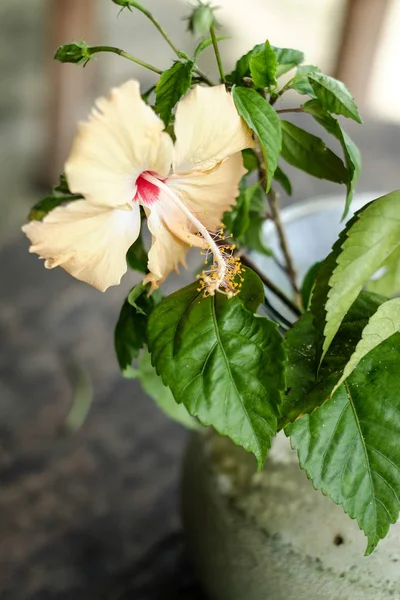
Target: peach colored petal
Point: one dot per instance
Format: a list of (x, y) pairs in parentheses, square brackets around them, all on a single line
[(89, 242), (122, 138), (207, 195), (166, 252), (208, 129)]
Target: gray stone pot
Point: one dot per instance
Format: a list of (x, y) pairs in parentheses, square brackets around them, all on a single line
[(270, 535)]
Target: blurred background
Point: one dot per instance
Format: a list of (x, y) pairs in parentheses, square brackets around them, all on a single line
[(81, 512), (40, 102)]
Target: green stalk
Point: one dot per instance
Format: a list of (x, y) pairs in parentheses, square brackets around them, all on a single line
[(166, 37), (290, 110), (157, 25), (95, 49), (217, 54)]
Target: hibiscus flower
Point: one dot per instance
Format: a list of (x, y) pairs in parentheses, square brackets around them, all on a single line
[(122, 159)]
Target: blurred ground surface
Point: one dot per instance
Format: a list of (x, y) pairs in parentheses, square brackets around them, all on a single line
[(93, 515)]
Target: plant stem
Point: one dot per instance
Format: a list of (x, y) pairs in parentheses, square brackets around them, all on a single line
[(282, 321), (290, 270), (271, 286), (290, 110), (286, 87), (157, 25), (275, 216), (166, 37), (204, 77), (217, 54), (95, 49)]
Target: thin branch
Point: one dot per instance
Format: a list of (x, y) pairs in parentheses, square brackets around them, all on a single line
[(273, 204), (96, 49), (275, 216), (281, 320), (290, 110), (217, 54), (204, 77), (288, 86), (166, 37), (271, 286), (157, 25)]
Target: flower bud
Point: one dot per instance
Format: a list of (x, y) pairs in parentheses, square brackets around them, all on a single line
[(201, 19), (77, 52), (126, 3)]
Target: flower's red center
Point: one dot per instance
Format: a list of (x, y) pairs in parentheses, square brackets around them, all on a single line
[(147, 193)]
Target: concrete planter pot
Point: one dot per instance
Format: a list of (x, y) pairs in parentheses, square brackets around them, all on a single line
[(270, 535)]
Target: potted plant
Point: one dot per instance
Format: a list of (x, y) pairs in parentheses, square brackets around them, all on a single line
[(196, 162)]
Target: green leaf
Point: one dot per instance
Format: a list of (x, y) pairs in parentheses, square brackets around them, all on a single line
[(253, 237), (308, 284), (288, 58), (153, 386), (140, 300), (130, 332), (129, 335), (349, 446), (242, 68), (351, 152), (284, 180), (263, 66), (309, 384), (382, 325), (42, 208), (309, 153), (250, 160), (371, 239), (137, 256), (146, 95), (63, 187), (245, 221), (172, 85), (59, 195), (251, 199), (301, 83), (334, 96), (221, 361), (257, 198), (242, 219), (387, 282), (204, 44), (252, 291), (353, 164), (301, 375), (264, 121), (321, 288)]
